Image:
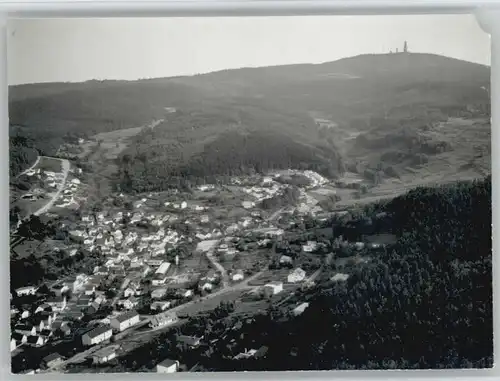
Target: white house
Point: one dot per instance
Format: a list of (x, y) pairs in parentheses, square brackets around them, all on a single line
[(163, 268), (97, 335), (28, 330), (237, 276), (160, 306), (129, 303), (36, 341), (339, 277), (206, 286), (163, 319), (274, 287), (26, 290), (297, 275), (310, 246), (129, 291), (104, 355), (248, 204), (285, 259), (167, 366), (58, 303), (125, 320), (184, 205), (300, 309), (159, 279), (158, 293)]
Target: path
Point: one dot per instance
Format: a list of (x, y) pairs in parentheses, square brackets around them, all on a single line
[(65, 170), (30, 168), (219, 267)]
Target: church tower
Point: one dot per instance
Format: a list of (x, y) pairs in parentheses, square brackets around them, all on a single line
[(405, 47)]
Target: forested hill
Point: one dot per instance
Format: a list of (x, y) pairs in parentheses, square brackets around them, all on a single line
[(425, 302), (357, 94)]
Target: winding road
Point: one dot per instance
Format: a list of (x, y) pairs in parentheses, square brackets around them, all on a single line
[(65, 170), (30, 168)]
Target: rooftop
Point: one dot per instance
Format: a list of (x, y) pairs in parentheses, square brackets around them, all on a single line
[(167, 363), (126, 316), (98, 331)]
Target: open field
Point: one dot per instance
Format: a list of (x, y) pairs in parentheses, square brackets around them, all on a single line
[(49, 164), (269, 276)]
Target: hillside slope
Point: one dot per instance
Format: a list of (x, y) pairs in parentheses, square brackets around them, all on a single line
[(322, 117)]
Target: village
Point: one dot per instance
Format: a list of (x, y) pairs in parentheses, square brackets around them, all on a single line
[(158, 255)]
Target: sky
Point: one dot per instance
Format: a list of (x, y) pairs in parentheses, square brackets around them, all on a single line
[(75, 50)]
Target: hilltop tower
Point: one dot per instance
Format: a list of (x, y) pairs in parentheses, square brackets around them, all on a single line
[(405, 47)]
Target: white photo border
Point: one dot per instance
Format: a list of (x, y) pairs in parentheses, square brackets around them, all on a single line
[(488, 15)]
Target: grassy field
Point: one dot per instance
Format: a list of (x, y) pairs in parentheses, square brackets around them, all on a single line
[(49, 164), (28, 247)]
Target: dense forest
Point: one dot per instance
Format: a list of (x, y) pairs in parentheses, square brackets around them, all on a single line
[(425, 302), (422, 302)]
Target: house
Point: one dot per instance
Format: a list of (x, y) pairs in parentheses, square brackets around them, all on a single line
[(163, 268), (89, 289), (97, 335), (286, 260), (300, 309), (158, 293), (163, 319), (25, 314), (297, 275), (57, 303), (26, 290), (154, 262), (159, 279), (190, 341), (52, 360), (83, 301), (46, 333), (129, 303), (167, 366), (19, 338), (248, 204), (61, 326), (160, 306), (125, 320), (183, 205), (185, 293), (274, 287), (104, 355), (206, 286), (310, 246), (36, 341), (339, 277), (245, 355), (129, 291), (13, 344), (25, 329), (237, 275)]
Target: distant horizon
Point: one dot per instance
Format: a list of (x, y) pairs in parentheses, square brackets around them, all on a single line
[(241, 68), (80, 50)]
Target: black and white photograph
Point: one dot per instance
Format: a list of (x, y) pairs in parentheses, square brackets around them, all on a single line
[(229, 194)]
